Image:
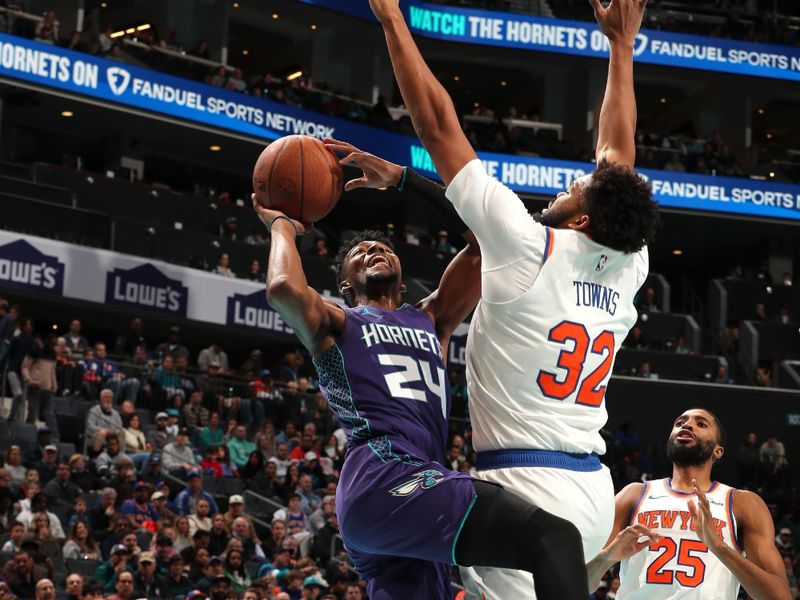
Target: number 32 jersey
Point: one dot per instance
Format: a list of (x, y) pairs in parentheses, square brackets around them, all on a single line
[(680, 565)]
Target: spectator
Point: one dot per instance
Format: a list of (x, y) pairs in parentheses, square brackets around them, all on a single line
[(20, 346), (80, 475), (109, 461), (138, 510), (144, 580), (165, 547), (22, 575), (123, 387), (787, 279), (108, 572), (47, 29), (783, 316), (322, 515), (772, 457), (74, 586), (167, 379), (785, 543), (211, 434), (214, 353), (219, 535), (187, 499), (45, 590), (199, 519), (159, 438), (103, 420), (38, 371), (75, 342), (681, 347), (14, 466), (60, 489), (16, 533), (159, 501), (635, 339), (135, 444), (176, 583), (123, 587), (177, 456), (722, 376), (255, 273), (195, 415), (760, 313), (230, 229), (235, 81), (749, 460), (101, 515), (48, 464), (235, 571), (223, 267), (442, 244), (80, 543), (173, 345), (128, 341), (648, 303), (266, 483), (200, 539), (240, 447), (320, 248), (219, 78)]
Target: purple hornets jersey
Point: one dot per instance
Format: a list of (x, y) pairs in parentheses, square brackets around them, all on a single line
[(386, 381)]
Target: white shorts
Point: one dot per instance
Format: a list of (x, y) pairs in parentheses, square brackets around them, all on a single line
[(585, 498)]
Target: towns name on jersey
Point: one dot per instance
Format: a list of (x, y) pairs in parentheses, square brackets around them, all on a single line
[(675, 519), (596, 296), (375, 333)]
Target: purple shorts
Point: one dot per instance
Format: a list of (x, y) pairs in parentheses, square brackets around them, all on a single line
[(400, 518)]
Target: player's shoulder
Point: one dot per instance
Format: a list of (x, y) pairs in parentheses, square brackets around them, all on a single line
[(747, 503), (631, 494)]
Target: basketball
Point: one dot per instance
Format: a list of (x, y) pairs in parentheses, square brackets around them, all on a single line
[(298, 176)]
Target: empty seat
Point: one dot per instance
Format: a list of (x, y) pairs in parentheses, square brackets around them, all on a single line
[(86, 568), (66, 449), (24, 433)]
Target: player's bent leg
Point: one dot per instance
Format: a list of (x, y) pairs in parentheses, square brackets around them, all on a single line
[(401, 578), (502, 530)]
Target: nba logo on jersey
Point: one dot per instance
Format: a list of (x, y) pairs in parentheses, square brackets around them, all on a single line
[(424, 479), (601, 264)]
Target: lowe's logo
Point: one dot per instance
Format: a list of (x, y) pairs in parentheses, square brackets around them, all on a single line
[(252, 311), (146, 287), (23, 266)]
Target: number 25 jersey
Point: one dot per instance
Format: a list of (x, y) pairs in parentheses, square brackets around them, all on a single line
[(680, 565)]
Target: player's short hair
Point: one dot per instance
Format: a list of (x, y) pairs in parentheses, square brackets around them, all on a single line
[(350, 243), (622, 212)]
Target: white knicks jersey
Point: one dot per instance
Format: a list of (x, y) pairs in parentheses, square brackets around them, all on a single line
[(680, 565), (538, 366)]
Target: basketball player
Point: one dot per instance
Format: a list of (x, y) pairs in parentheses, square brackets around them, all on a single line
[(557, 295), (404, 517), (687, 536)]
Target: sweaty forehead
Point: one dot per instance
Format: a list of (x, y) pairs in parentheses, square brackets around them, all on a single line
[(582, 182)]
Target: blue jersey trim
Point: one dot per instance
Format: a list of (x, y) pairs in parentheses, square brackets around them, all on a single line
[(505, 459), (460, 527), (339, 394)]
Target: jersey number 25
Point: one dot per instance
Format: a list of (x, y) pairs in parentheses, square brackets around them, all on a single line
[(590, 392)]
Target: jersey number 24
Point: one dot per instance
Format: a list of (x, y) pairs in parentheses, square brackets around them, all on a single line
[(590, 390)]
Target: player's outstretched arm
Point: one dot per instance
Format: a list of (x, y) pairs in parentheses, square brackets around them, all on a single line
[(313, 319), (432, 112), (460, 287), (762, 573), (620, 22), (624, 540)]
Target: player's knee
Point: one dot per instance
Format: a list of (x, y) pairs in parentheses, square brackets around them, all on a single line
[(555, 536)]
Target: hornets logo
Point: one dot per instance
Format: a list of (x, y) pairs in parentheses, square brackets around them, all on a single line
[(423, 479)]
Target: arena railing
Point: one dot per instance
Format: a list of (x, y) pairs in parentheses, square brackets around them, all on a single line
[(23, 15), (178, 54)]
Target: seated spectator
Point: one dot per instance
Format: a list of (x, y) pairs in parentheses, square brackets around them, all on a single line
[(215, 568), (235, 571), (255, 273), (197, 566), (102, 513), (16, 533), (138, 509), (159, 502), (108, 572), (39, 531), (128, 341), (73, 339), (60, 489), (219, 535), (80, 475), (123, 587), (176, 583), (200, 519), (228, 468), (123, 387), (195, 415), (159, 437), (240, 447), (219, 78), (177, 457), (172, 346), (135, 443), (309, 500), (165, 547), (74, 585), (235, 81), (200, 539), (144, 580), (213, 353), (108, 462), (80, 543), (78, 512), (39, 504), (187, 499), (167, 380), (243, 531), (47, 31), (267, 483), (102, 420), (324, 536), (21, 575), (320, 516), (223, 267), (774, 465), (647, 304), (16, 469), (722, 376)]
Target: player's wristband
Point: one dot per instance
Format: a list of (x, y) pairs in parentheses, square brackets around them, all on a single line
[(433, 194), (283, 217), (402, 179)]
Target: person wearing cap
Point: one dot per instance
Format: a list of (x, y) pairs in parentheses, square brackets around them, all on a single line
[(108, 571), (213, 353), (785, 543), (159, 437), (46, 466), (175, 584), (220, 588), (187, 499), (240, 447), (138, 509), (215, 567), (177, 457), (61, 491), (267, 399), (159, 502), (108, 461), (312, 466), (195, 415), (315, 581), (172, 346), (44, 437), (102, 419)]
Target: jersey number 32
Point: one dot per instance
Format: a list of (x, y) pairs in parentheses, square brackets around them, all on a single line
[(590, 390)]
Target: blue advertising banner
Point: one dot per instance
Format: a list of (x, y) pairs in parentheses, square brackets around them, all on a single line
[(145, 286), (253, 311), (526, 32), (116, 84), (23, 266)]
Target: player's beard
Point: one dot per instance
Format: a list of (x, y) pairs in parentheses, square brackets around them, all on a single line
[(383, 278), (553, 217), (690, 455)]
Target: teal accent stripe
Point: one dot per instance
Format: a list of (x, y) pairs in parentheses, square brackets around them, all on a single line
[(371, 447), (460, 527)]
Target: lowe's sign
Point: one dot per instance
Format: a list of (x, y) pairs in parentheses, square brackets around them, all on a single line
[(50, 67), (580, 38)]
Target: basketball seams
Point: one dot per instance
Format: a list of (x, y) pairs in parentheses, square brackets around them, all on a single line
[(272, 170), (302, 182), (325, 153)]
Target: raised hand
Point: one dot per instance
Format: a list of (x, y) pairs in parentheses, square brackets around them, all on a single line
[(621, 20), (376, 172), (630, 541), (268, 216), (384, 8), (704, 522)]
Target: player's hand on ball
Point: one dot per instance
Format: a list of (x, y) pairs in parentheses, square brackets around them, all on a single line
[(376, 172), (384, 8), (629, 541), (268, 216), (621, 20)]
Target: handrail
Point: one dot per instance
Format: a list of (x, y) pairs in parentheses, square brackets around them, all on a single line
[(23, 14), (183, 55)]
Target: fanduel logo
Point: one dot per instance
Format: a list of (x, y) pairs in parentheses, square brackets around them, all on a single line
[(640, 45), (22, 265), (118, 80), (252, 311), (146, 287)]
